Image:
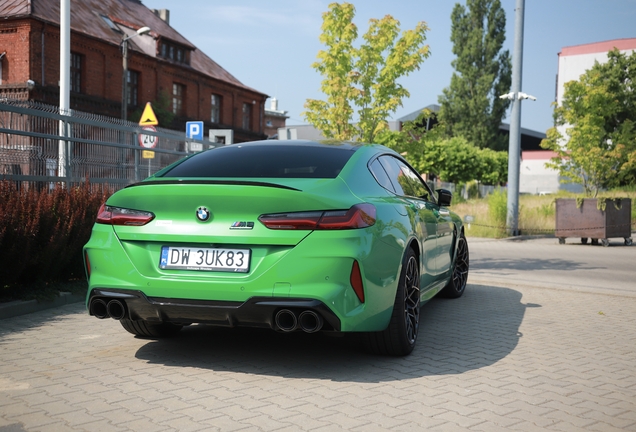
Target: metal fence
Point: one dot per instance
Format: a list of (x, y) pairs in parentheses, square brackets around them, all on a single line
[(480, 189), (41, 146)]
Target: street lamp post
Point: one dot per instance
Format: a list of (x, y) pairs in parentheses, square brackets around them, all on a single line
[(65, 83), (124, 86), (514, 147), (514, 160)]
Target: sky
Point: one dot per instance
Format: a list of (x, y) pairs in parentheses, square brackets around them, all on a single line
[(270, 45)]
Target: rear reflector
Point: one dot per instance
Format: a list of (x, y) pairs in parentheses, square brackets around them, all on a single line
[(358, 216), (88, 264), (110, 215), (356, 281)]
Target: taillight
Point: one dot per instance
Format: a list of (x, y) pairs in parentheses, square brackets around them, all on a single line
[(358, 216), (110, 215), (356, 281)]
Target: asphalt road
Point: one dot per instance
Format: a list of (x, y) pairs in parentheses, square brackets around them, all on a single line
[(546, 263), (543, 339)]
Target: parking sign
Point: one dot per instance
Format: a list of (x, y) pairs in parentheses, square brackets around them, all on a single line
[(194, 130)]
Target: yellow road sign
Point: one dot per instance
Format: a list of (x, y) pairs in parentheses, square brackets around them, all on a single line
[(147, 154), (148, 118)]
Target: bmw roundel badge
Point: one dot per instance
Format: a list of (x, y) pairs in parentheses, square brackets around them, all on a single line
[(203, 214)]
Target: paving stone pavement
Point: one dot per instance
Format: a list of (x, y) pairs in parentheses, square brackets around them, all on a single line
[(514, 358)]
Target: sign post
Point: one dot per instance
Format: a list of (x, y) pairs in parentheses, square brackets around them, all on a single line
[(194, 130), (148, 120)]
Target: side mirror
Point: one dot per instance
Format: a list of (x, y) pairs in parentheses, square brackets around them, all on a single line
[(444, 197)]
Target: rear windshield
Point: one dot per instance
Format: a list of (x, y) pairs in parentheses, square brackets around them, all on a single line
[(269, 160)]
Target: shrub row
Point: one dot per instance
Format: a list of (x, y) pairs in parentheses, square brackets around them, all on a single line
[(42, 232)]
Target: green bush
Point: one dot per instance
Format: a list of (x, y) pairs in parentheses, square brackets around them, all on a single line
[(42, 233), (498, 208)]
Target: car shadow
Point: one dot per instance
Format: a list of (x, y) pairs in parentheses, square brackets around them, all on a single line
[(456, 336), (528, 264)]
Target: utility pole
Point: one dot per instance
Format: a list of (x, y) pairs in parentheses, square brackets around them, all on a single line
[(65, 83), (124, 85), (514, 145), (124, 81)]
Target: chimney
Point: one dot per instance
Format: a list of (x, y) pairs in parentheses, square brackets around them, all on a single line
[(164, 14), (274, 106)]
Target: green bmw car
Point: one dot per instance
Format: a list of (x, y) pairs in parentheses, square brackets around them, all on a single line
[(287, 235)]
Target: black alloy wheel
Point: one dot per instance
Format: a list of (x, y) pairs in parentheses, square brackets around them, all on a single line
[(457, 283), (411, 300), (399, 338)]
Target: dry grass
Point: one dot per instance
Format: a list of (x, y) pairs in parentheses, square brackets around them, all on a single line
[(536, 214)]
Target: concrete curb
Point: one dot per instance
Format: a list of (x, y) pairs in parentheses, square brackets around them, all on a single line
[(17, 308)]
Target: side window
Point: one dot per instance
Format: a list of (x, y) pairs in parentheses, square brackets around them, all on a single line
[(381, 176), (416, 187), (395, 173), (405, 180)]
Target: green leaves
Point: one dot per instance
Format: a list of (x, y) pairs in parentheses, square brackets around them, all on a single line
[(451, 159), (470, 106), (362, 80), (595, 132)]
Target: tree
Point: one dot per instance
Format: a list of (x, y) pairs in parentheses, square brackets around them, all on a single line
[(471, 107), (362, 80), (452, 159), (493, 168), (595, 132)]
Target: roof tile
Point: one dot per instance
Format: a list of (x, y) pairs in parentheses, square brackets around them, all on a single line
[(86, 18)]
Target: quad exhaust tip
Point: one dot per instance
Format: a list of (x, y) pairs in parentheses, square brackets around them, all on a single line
[(116, 309), (101, 309), (286, 320), (308, 321)]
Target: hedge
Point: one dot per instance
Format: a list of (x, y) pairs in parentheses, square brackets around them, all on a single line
[(42, 232)]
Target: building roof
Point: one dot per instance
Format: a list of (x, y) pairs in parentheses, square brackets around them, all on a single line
[(87, 17), (524, 131), (503, 126), (416, 114), (599, 47)]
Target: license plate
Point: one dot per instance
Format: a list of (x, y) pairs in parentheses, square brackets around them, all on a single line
[(205, 259)]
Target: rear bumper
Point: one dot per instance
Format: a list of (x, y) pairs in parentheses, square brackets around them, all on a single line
[(255, 312)]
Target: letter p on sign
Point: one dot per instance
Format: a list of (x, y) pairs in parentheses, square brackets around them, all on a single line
[(194, 130)]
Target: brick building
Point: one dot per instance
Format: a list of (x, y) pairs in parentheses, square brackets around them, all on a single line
[(162, 64)]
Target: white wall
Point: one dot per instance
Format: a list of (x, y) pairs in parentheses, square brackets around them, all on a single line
[(535, 177), (575, 61)]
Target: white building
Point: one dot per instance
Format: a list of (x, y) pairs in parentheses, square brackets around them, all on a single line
[(574, 61)]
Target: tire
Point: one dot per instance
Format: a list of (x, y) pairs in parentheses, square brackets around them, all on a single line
[(594, 241), (399, 338), (628, 241), (561, 240), (605, 242), (147, 329), (584, 240), (457, 284)]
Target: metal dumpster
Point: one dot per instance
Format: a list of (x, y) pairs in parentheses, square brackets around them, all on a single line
[(586, 220)]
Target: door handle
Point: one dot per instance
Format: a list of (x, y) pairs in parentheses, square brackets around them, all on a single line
[(444, 212)]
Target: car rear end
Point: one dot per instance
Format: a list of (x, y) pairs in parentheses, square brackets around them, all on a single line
[(239, 240)]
